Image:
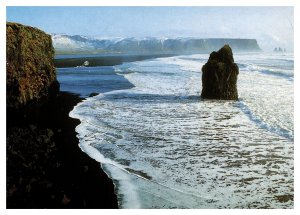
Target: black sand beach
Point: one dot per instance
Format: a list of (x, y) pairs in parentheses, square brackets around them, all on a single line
[(102, 60), (45, 166)]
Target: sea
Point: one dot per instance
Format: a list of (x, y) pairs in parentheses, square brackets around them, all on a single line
[(165, 147)]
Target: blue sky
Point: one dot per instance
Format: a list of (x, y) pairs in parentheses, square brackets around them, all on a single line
[(271, 26)]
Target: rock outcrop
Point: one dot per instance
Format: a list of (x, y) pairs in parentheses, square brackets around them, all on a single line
[(219, 76), (30, 72), (45, 168)]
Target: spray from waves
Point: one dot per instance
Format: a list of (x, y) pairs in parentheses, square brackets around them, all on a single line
[(262, 124), (270, 103), (281, 65), (118, 173), (281, 72)]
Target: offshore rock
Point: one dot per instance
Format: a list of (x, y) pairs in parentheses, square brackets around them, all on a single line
[(30, 72), (219, 76)]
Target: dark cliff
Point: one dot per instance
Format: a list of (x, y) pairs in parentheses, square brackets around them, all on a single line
[(30, 72), (45, 168)]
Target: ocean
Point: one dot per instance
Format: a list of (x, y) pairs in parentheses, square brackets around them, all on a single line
[(165, 147)]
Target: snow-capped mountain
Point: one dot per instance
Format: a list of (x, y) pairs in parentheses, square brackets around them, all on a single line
[(81, 44)]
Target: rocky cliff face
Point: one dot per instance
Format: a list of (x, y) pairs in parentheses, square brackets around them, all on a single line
[(30, 72), (219, 76), (40, 136)]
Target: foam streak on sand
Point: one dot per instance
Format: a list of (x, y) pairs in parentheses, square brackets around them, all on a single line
[(164, 147)]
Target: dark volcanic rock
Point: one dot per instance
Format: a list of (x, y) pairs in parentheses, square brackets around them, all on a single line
[(45, 168), (30, 72), (93, 94), (219, 76)]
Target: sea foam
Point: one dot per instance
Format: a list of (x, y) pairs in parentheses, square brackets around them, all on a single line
[(164, 147)]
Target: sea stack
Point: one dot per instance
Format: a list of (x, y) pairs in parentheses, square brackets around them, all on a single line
[(30, 72), (219, 76)]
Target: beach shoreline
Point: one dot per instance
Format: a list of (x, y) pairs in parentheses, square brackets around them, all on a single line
[(45, 166), (93, 60)]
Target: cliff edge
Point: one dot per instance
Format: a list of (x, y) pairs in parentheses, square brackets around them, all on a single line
[(45, 168), (30, 71)]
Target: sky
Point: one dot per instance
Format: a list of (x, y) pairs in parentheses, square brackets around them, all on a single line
[(271, 26)]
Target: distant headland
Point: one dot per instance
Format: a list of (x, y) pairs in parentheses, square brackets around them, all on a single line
[(66, 44)]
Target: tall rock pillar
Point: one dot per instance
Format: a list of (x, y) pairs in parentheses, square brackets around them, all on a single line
[(219, 76)]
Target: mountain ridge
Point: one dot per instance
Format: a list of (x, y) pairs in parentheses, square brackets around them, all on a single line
[(80, 44)]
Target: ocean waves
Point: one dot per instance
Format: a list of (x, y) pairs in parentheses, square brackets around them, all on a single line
[(164, 147)]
